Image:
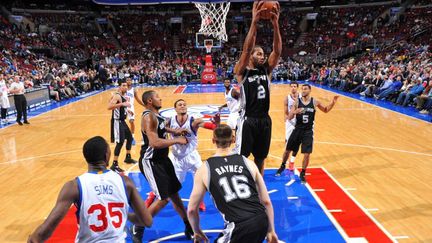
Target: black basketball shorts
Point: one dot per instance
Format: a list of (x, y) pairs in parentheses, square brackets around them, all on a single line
[(254, 136), (253, 230), (303, 138), (161, 176)]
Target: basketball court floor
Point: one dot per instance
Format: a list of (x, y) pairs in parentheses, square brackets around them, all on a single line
[(369, 181)]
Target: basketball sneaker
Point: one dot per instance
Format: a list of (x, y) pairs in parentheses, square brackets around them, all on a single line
[(280, 170), (129, 160), (188, 230), (137, 233), (150, 199), (116, 168), (202, 207), (303, 177)]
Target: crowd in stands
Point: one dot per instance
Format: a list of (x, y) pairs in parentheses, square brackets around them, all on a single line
[(340, 27), (144, 53), (402, 76)]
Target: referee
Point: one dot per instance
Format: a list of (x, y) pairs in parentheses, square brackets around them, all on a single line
[(17, 89)]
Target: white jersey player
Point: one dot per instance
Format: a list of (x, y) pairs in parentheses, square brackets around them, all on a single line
[(233, 104), (131, 95), (289, 103), (102, 198), (99, 192), (186, 158)]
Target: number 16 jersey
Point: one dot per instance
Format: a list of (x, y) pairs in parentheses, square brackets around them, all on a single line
[(233, 188)]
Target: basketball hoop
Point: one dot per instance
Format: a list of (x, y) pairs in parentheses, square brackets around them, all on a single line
[(213, 18)]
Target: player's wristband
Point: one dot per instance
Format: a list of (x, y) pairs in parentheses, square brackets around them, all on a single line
[(209, 125)]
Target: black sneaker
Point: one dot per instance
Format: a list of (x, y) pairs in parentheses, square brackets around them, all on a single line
[(116, 168), (26, 122), (303, 177), (129, 160), (137, 233), (188, 231), (19, 123), (280, 170)]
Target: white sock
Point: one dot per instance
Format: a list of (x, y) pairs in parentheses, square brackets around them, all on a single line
[(292, 159)]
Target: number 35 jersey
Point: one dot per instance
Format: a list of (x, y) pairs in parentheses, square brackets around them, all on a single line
[(102, 207), (255, 92), (233, 188)]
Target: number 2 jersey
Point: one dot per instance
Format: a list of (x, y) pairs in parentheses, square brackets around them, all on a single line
[(255, 92), (102, 207), (233, 188)]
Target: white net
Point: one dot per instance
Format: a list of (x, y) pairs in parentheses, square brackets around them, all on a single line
[(213, 18)]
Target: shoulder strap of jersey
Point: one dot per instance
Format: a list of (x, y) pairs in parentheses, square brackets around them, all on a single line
[(245, 74), (80, 194), (191, 120), (146, 112)]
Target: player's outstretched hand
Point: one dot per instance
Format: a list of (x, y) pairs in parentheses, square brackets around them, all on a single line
[(181, 132), (200, 237), (181, 140), (217, 119), (335, 98), (126, 104), (297, 111), (272, 237), (257, 10), (275, 14)]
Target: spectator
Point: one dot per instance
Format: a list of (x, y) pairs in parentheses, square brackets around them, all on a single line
[(407, 96), (424, 101), (396, 85)]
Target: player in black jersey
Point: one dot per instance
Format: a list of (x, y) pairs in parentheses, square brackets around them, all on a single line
[(119, 129), (253, 72), (155, 164), (304, 111), (239, 192)]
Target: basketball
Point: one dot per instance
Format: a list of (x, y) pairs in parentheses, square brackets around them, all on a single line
[(270, 6)]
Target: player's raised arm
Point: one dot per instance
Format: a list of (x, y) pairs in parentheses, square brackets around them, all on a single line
[(197, 195), (215, 122), (141, 215), (249, 42), (328, 108), (68, 195), (149, 125), (277, 40), (137, 98)]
